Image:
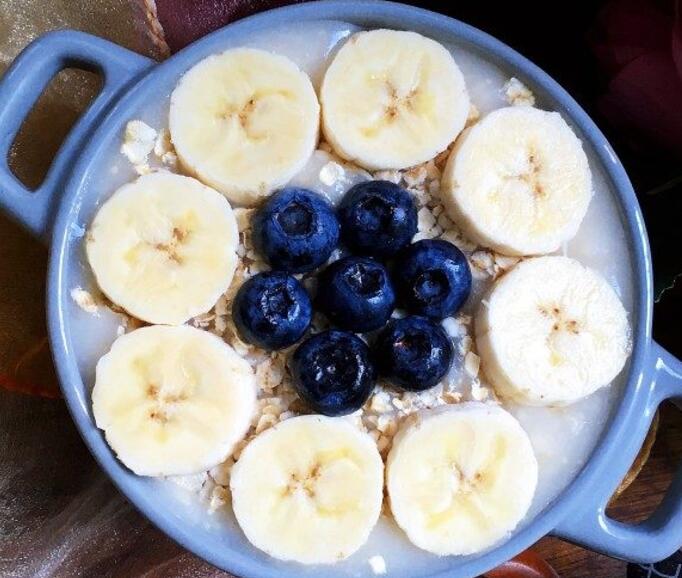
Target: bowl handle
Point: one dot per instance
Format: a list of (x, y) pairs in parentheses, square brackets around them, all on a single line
[(21, 86), (660, 535)]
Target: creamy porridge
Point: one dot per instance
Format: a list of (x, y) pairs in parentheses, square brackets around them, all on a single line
[(146, 148)]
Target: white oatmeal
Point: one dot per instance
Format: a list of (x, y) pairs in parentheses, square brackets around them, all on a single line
[(138, 142), (378, 564), (141, 140), (387, 407), (599, 244), (384, 411), (518, 94), (85, 300)]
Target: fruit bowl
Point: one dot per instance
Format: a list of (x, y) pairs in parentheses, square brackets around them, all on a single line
[(61, 208)]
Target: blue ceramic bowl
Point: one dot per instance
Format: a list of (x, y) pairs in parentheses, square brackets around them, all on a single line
[(60, 208)]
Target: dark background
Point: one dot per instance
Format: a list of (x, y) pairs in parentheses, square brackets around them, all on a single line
[(558, 37)]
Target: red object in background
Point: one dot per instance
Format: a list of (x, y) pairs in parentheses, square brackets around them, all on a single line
[(677, 39), (526, 565), (638, 43), (32, 373), (184, 21)]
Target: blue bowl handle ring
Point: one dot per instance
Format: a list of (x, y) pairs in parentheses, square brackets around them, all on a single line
[(21, 86), (660, 535)]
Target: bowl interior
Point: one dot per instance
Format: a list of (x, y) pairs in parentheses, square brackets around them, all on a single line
[(80, 338)]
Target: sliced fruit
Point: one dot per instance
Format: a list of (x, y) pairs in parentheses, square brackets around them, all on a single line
[(460, 478), (551, 331), (518, 181), (172, 400), (392, 99), (164, 248), (244, 122), (309, 489)]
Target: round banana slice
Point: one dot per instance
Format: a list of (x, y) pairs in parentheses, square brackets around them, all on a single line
[(164, 248), (518, 181), (392, 99), (244, 122), (309, 489), (172, 400), (551, 332), (460, 478)]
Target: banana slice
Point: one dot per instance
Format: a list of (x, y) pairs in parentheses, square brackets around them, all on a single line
[(244, 122), (460, 478), (392, 99), (518, 181), (172, 400), (309, 489), (551, 331), (164, 248)]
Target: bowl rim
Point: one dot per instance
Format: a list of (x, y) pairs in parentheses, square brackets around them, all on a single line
[(411, 18)]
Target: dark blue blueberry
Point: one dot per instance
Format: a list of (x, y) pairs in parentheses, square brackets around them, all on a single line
[(296, 230), (333, 372), (432, 278), (356, 294), (413, 353), (272, 310), (378, 218)]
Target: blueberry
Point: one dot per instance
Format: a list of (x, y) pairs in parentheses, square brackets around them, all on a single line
[(432, 278), (272, 310), (413, 353), (378, 218), (296, 230), (356, 294), (333, 372)]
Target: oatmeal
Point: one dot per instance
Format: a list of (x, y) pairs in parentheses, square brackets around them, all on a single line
[(463, 393), (85, 300), (383, 413), (139, 140), (517, 93), (387, 408)]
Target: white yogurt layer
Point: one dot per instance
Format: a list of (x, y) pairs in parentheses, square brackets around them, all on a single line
[(563, 438), (600, 244)]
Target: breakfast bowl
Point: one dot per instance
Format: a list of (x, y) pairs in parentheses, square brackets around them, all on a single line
[(87, 169)]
